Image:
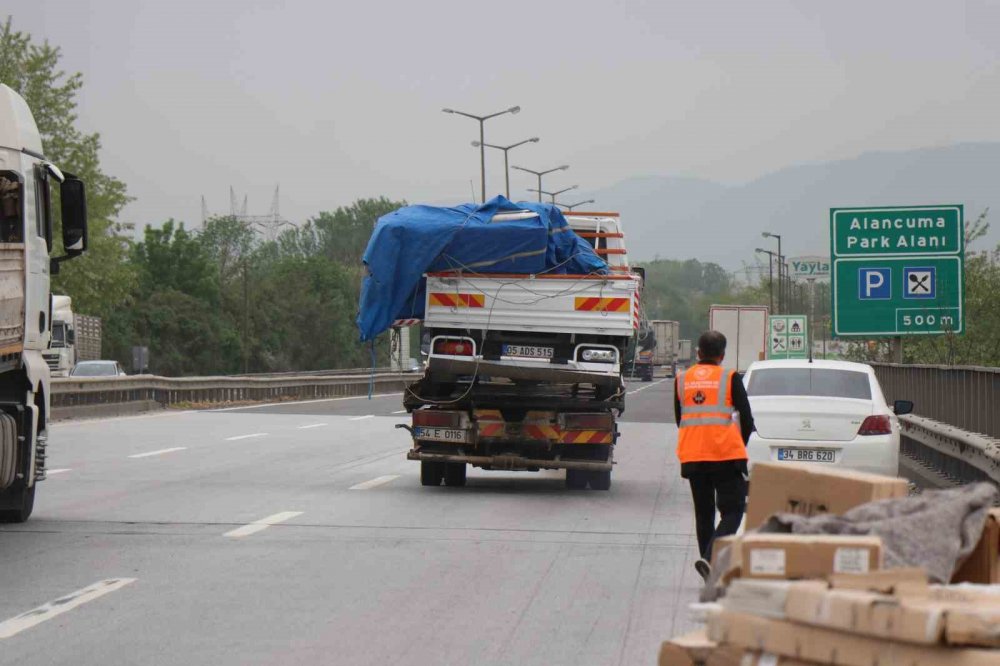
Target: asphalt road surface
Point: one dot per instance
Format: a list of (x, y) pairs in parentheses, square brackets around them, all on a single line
[(300, 534)]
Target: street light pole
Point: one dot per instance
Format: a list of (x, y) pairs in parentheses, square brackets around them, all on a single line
[(553, 195), (482, 139), (570, 207), (505, 149), (539, 174), (770, 274), (781, 262)]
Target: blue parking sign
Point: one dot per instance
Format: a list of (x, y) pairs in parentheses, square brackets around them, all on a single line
[(874, 284)]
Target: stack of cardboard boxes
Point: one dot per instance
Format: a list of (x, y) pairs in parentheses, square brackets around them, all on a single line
[(826, 599)]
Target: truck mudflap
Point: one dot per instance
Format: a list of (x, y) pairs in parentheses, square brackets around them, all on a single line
[(510, 462)]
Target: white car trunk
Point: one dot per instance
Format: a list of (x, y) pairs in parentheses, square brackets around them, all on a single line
[(809, 418)]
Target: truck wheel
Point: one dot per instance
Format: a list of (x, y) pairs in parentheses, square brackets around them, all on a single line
[(454, 475), (600, 480), (576, 479), (431, 473), (22, 513)]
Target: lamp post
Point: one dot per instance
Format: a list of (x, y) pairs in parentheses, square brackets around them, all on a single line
[(482, 139), (770, 273), (570, 207), (553, 194), (781, 272), (539, 174), (506, 169)]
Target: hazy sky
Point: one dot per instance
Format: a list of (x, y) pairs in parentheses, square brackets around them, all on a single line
[(340, 100)]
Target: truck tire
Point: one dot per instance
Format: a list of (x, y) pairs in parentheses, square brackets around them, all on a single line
[(454, 474), (20, 513), (8, 451), (600, 480), (576, 479), (431, 473)]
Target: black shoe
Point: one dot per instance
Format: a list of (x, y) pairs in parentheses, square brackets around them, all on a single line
[(703, 568)]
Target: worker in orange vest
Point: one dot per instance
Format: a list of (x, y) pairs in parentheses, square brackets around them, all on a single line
[(714, 423)]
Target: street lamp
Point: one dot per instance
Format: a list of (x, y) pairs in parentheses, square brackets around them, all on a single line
[(770, 273), (506, 169), (553, 194), (539, 175), (781, 272), (570, 207), (482, 139)]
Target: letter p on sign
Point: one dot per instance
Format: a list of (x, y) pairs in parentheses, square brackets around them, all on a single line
[(874, 284)]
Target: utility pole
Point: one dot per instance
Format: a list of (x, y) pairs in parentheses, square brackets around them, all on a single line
[(482, 138)]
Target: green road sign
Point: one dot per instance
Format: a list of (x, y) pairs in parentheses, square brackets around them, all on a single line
[(897, 271), (788, 337)]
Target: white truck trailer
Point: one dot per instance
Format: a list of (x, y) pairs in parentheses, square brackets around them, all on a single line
[(61, 355), (525, 372), (27, 219), (745, 328), (668, 335)]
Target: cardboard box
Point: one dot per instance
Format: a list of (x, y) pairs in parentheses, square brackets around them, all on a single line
[(768, 659), (691, 649), (908, 580), (810, 489), (983, 565), (835, 648), (793, 556)]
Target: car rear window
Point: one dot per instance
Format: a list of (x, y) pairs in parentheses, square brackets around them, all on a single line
[(821, 382)]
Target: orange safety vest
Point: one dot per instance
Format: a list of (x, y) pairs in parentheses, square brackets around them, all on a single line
[(708, 432)]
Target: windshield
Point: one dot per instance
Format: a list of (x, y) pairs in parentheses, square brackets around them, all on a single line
[(95, 370), (820, 382), (58, 334)]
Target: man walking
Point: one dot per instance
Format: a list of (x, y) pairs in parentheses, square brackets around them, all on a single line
[(711, 443)]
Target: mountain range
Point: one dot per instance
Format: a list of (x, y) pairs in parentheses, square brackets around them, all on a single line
[(674, 217)]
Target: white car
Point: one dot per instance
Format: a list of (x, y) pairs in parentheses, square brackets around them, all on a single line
[(823, 412)]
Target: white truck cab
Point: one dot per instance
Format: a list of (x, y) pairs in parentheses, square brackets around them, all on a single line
[(27, 181), (61, 355)]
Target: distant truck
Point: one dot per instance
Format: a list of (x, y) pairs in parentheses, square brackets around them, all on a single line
[(75, 338), (639, 361), (668, 335), (745, 328), (684, 355)]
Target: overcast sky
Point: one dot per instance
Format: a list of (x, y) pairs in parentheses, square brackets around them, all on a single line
[(340, 100)]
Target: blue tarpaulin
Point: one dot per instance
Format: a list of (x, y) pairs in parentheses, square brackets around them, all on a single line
[(419, 239)]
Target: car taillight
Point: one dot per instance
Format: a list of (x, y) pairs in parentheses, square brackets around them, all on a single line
[(588, 421), (876, 425), (453, 347), (436, 418)]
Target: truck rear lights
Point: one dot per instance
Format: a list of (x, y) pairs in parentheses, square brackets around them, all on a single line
[(598, 421), (454, 347), (436, 418), (876, 425), (598, 355)]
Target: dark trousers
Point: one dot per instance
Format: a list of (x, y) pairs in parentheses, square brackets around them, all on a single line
[(722, 488)]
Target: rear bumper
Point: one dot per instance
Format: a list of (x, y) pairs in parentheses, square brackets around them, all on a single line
[(876, 454), (569, 373), (509, 462)]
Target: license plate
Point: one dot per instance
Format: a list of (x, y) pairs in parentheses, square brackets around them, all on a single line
[(442, 434), (808, 455), (526, 351)]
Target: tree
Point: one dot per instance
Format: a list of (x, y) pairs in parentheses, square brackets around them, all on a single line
[(99, 282)]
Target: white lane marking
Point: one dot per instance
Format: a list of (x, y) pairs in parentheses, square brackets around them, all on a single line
[(362, 418), (648, 386), (50, 472), (402, 411), (297, 402), (159, 452), (262, 524), (312, 425), (250, 436), (16, 625), (375, 483)]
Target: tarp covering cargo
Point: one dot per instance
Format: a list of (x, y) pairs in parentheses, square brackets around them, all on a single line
[(419, 239)]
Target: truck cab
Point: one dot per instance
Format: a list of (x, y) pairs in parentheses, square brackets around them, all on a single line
[(61, 355), (27, 221)]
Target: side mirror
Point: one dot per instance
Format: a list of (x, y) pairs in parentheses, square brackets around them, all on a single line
[(74, 216), (640, 271), (901, 407)]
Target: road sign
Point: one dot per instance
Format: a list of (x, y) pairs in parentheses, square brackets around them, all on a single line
[(788, 336), (809, 268), (897, 271)]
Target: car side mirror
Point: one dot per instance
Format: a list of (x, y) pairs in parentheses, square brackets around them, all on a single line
[(74, 216), (901, 407)]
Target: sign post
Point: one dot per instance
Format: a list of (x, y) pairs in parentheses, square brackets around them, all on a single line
[(788, 336), (897, 271)]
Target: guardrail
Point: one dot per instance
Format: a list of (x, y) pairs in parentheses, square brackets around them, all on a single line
[(958, 455), (88, 395)]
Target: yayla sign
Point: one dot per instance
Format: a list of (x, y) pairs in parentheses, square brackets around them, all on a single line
[(809, 268)]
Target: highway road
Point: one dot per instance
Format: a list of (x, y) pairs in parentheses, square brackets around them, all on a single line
[(299, 534)]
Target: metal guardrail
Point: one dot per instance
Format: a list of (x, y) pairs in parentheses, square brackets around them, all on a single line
[(958, 455), (93, 391)]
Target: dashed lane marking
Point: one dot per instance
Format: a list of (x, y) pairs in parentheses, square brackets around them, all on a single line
[(34, 617), (649, 386), (362, 418), (159, 452), (50, 472), (250, 436), (375, 483), (402, 411), (312, 425), (261, 525)]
